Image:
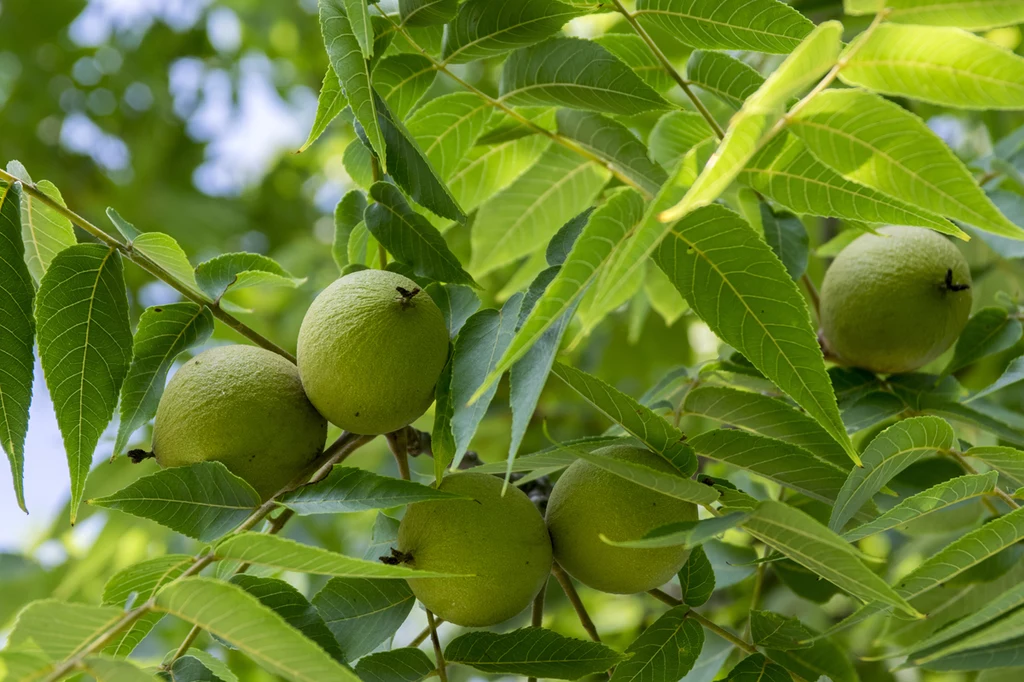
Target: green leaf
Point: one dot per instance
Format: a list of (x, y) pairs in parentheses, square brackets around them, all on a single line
[(17, 336), (787, 237), (765, 416), (513, 223), (784, 463), (990, 625), (447, 127), (1013, 373), (990, 330), (342, 41), (396, 665), (930, 501), (362, 613), (79, 624), (160, 248), (359, 17), (163, 333), (972, 15), (240, 270), (666, 650), (485, 171), (456, 302), (639, 421), (683, 533), (945, 66), (635, 54), (729, 79), (24, 666), (287, 555), (575, 73), (203, 501), (613, 142), (755, 123), (44, 231), (1007, 461), (85, 345), (410, 237), (110, 670), (880, 144), (757, 668), (329, 104), (758, 25), (824, 659), (889, 453), (426, 13), (533, 652), (676, 133), (242, 621), (773, 631), (402, 80), (135, 585), (787, 172), (348, 489), (697, 578), (742, 291), (411, 169), (1002, 655), (188, 668), (812, 545), (484, 28), (604, 229), (347, 214), (291, 605), (663, 296)]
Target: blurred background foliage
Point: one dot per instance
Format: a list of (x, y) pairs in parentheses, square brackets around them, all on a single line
[(185, 115)]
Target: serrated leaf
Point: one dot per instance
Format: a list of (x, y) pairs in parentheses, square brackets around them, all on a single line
[(396, 665), (684, 533), (410, 237), (447, 127), (1013, 374), (765, 416), (330, 102), (17, 336), (241, 620), (485, 171), (287, 555), (534, 652), (359, 17), (613, 142), (787, 237), (575, 73), (484, 28), (79, 624), (291, 605), (930, 501), (676, 133), (1007, 461), (758, 25), (427, 12), (85, 347), (24, 666), (989, 416), (188, 668), (889, 453), (203, 501), (457, 303), (240, 270), (824, 660), (348, 489), (945, 66), (666, 650), (346, 56), (973, 15), (812, 545), (787, 172), (729, 79), (755, 123), (362, 613), (774, 631), (347, 214), (636, 54), (165, 251), (402, 80), (529, 211), (663, 297), (44, 231), (697, 578), (997, 621), (990, 330), (751, 303), (880, 144), (134, 586), (757, 668), (639, 421), (163, 333)]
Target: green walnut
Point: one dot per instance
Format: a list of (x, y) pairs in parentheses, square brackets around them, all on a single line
[(500, 540), (588, 502), (371, 349), (242, 406), (893, 302)]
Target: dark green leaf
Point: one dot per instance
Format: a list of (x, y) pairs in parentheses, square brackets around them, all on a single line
[(773, 631), (191, 669), (484, 28), (362, 613), (689, 533), (666, 650), (726, 77), (426, 13), (533, 652), (1007, 461), (457, 303), (396, 665), (697, 578), (822, 658), (1002, 655), (757, 668), (402, 80), (990, 330), (348, 489), (788, 238), (614, 143)]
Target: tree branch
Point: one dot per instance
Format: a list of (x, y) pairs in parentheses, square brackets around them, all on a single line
[(442, 671), (574, 598)]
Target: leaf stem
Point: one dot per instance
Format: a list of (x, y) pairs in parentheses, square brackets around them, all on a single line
[(670, 69), (537, 616), (398, 443), (422, 637), (999, 492), (812, 293), (442, 671), (150, 266), (574, 598)]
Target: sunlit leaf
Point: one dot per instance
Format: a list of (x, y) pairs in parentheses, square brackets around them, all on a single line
[(676, 133), (613, 142), (110, 670), (758, 25), (348, 489), (485, 171), (532, 652), (726, 77), (134, 586), (683, 533), (973, 15), (79, 624), (637, 55), (483, 28), (446, 129), (666, 650), (402, 80), (329, 104), (44, 231), (362, 613), (241, 270), (347, 214)]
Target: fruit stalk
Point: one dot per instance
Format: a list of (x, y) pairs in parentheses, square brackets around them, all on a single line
[(442, 671), (574, 598)]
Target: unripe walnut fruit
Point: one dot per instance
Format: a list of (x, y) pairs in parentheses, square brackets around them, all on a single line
[(371, 348), (500, 540), (588, 501), (244, 407)]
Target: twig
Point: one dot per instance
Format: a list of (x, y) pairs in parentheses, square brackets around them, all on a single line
[(999, 492), (398, 442), (670, 69), (574, 598), (422, 637), (150, 266), (439, 657), (755, 596), (812, 292), (537, 617)]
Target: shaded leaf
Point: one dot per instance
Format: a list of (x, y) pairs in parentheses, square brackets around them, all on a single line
[(666, 650), (757, 668), (1013, 374), (613, 142), (348, 213), (396, 665), (726, 77), (990, 625), (774, 631), (348, 489), (787, 237), (191, 669), (697, 578), (426, 13), (456, 302), (824, 658), (534, 652), (484, 28), (363, 613), (989, 331), (240, 270), (359, 18), (1007, 461), (402, 80), (688, 533)]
